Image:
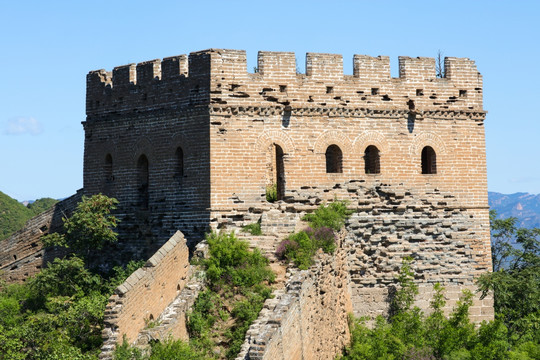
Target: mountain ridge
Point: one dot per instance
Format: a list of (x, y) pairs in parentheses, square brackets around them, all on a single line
[(521, 205)]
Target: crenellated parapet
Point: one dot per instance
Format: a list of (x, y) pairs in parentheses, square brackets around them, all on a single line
[(220, 77)]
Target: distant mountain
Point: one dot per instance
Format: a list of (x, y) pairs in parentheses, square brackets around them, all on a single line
[(13, 214), (523, 206)]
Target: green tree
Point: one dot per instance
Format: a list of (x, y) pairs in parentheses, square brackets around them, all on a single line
[(89, 228), (515, 280)]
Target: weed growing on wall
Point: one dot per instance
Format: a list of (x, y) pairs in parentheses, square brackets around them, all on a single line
[(300, 247), (271, 193)]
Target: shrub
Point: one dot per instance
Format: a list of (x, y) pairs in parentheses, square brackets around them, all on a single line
[(232, 261), (285, 246), (324, 238)]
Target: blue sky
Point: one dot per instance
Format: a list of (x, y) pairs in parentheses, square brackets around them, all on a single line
[(48, 47)]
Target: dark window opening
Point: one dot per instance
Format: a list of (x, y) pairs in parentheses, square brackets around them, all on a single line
[(280, 172), (372, 160), (462, 93), (179, 167), (374, 91), (282, 88), (419, 92), (142, 181), (429, 161), (329, 89), (334, 159)]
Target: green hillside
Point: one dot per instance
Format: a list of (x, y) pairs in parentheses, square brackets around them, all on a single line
[(13, 214)]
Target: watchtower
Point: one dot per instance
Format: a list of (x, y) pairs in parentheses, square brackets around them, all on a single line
[(188, 141)]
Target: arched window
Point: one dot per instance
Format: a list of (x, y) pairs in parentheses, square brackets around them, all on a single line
[(142, 181), (334, 159), (429, 160), (179, 170), (108, 169), (372, 160)]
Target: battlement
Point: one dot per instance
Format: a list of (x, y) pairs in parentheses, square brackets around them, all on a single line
[(220, 77)]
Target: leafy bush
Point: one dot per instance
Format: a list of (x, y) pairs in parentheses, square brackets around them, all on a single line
[(300, 250), (323, 237), (232, 263), (237, 288)]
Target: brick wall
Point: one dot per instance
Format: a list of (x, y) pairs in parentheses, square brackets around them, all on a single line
[(146, 293), (22, 253)]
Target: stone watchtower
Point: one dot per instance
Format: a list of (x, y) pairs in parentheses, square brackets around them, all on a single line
[(189, 142)]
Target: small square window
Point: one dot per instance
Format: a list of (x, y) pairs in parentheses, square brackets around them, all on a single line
[(419, 92), (462, 93), (374, 91), (329, 89), (282, 88)]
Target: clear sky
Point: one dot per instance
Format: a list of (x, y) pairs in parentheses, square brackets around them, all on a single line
[(48, 47)]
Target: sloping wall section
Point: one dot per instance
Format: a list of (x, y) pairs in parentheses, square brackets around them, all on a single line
[(22, 254)]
